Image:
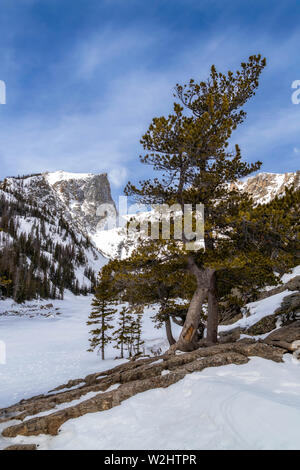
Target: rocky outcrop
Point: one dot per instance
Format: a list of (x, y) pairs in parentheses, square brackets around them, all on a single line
[(289, 310), (265, 325), (291, 285), (265, 186), (130, 378), (82, 195), (21, 447), (286, 335), (288, 313), (230, 336)]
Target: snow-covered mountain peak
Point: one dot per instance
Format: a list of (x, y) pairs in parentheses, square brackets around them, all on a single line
[(61, 175), (77, 195), (82, 194)]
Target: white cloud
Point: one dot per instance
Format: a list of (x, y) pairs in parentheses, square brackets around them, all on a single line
[(118, 176)]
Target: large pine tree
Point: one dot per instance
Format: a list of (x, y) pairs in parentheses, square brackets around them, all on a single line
[(189, 150)]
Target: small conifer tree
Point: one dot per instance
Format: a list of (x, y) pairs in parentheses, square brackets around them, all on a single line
[(102, 315), (122, 335)]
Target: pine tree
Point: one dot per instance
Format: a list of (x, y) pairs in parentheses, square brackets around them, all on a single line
[(4, 282), (160, 284), (137, 331), (102, 315), (122, 335), (189, 149), (244, 244)]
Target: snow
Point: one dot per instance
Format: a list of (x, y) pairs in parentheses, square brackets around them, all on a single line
[(250, 406), (60, 175), (108, 241), (258, 310), (44, 352), (295, 272)]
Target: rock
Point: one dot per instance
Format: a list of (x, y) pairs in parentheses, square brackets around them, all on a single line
[(287, 334), (230, 320), (215, 361), (230, 336), (21, 447), (260, 349), (292, 285), (133, 377), (265, 325), (289, 309)]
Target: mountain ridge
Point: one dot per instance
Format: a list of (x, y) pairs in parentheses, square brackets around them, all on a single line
[(56, 212)]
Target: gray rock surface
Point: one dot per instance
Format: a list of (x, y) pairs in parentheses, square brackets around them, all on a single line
[(83, 196)]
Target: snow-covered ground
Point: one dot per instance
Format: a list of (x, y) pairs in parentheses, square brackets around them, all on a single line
[(251, 406), (49, 349)]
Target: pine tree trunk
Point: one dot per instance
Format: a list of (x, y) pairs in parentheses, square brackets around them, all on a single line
[(103, 339), (212, 318), (188, 340), (169, 331)]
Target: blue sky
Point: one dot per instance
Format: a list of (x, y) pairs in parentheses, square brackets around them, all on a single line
[(85, 77)]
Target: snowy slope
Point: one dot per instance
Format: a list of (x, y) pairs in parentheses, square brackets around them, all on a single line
[(58, 342), (251, 406), (206, 410)]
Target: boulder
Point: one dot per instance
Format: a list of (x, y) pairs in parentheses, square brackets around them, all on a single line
[(230, 336), (287, 334), (289, 308), (265, 325)]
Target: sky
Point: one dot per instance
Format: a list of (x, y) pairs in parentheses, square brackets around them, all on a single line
[(84, 78)]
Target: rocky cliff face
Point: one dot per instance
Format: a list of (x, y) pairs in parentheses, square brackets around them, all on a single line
[(265, 186), (76, 195), (82, 194), (46, 222)]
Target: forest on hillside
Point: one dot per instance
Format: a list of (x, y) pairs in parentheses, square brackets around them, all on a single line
[(39, 251)]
